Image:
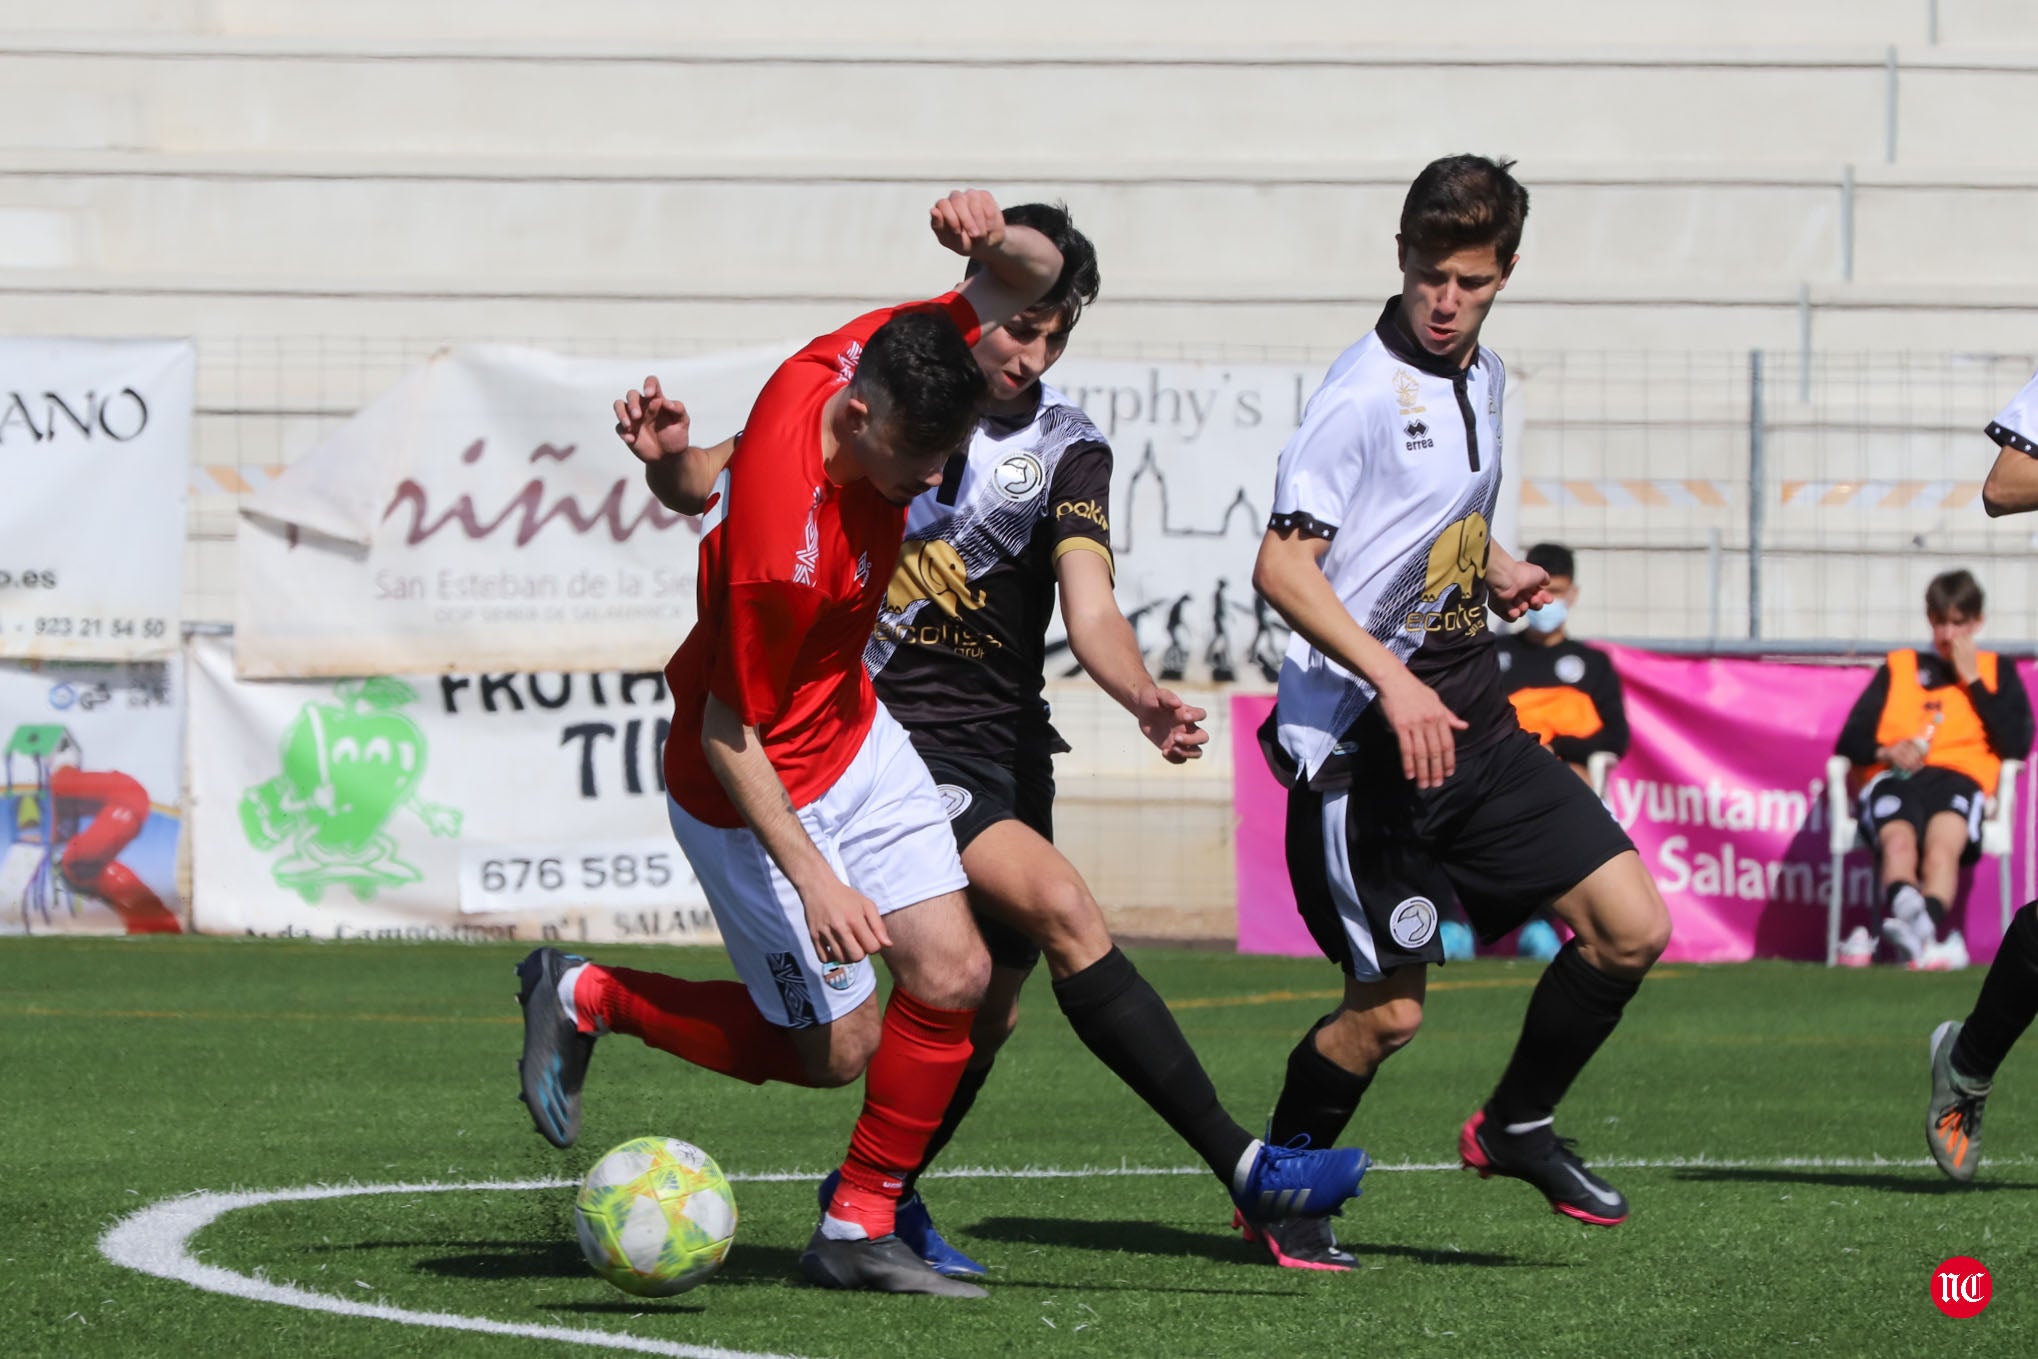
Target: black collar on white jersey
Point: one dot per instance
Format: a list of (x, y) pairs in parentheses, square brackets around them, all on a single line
[(1403, 346)]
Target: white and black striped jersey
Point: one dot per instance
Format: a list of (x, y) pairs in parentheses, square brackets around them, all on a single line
[(961, 638), (1397, 463), (2017, 426)]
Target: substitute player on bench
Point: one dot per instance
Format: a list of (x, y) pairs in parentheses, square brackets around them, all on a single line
[(1929, 736), (1411, 781), (959, 657), (1965, 1055)]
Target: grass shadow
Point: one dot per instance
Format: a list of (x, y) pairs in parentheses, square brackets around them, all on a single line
[(1159, 1238), (635, 1307), (1895, 1180), (501, 1260)]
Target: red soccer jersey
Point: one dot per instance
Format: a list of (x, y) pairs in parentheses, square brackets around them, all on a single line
[(792, 570)]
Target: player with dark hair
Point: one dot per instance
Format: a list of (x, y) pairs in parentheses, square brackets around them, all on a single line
[(959, 657), (809, 819), (1411, 782), (1965, 1054), (1928, 738), (1565, 693)]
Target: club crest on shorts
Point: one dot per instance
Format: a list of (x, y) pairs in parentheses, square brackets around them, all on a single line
[(839, 977), (1018, 478), (955, 800), (1886, 806), (1413, 923)]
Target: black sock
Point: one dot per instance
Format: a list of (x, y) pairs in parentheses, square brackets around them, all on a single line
[(1319, 1097), (1936, 909), (973, 1078), (1121, 1018), (2008, 999), (1574, 1008)]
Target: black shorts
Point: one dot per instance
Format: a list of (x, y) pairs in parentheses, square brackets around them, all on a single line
[(1919, 798), (1508, 833), (979, 791)]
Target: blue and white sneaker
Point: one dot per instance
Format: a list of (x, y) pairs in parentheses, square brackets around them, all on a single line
[(915, 1226), (556, 1052), (1296, 1181)]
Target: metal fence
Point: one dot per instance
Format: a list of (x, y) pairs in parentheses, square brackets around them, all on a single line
[(1720, 499)]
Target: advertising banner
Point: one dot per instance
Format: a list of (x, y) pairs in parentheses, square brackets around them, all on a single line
[(1194, 448), (526, 806), (481, 515), (1724, 794), (91, 783), (95, 450)]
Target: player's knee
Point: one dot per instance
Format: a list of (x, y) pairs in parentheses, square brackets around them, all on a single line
[(1067, 922), (962, 978), (1638, 943), (1393, 1026), (842, 1060)]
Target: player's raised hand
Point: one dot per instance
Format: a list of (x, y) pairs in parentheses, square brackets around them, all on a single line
[(1515, 587), (652, 424), (843, 923), (1425, 728), (1170, 724), (968, 221)]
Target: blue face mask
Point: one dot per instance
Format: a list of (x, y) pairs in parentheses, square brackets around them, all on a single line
[(1550, 618)]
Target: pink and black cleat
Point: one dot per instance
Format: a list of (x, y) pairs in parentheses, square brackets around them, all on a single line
[(1535, 1154), (1297, 1242)]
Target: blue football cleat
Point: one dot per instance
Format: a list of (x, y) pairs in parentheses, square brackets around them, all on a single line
[(1457, 936), (555, 1052), (1538, 940), (915, 1226), (1296, 1181)]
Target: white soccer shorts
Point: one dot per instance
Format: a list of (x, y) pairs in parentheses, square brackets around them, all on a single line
[(884, 830)]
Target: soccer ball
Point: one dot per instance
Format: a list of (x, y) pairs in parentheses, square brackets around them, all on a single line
[(655, 1217)]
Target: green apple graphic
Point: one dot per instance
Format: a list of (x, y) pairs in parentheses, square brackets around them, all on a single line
[(348, 767)]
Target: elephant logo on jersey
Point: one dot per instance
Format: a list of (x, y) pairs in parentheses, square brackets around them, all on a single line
[(930, 568), (1457, 557)]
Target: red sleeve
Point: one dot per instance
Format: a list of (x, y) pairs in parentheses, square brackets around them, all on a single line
[(757, 647), (957, 309), (953, 305)]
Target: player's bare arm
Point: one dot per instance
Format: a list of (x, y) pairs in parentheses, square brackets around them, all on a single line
[(2012, 485), (1288, 572), (1108, 650), (1019, 263), (1514, 587), (658, 430), (844, 923)]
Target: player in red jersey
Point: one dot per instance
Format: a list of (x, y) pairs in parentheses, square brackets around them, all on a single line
[(811, 822)]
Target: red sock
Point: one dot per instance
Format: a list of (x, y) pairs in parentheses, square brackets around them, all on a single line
[(911, 1079), (712, 1024)]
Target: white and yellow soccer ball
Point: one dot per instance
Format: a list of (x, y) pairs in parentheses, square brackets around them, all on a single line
[(655, 1217)]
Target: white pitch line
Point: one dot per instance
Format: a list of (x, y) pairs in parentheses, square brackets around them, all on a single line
[(156, 1240)]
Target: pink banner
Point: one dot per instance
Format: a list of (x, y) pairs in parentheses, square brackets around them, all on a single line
[(1723, 792)]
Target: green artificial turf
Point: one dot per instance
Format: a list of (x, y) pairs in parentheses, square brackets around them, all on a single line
[(135, 1070)]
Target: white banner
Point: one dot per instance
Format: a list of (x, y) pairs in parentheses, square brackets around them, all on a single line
[(95, 450), (90, 797), (1194, 450), (482, 515), (461, 806)]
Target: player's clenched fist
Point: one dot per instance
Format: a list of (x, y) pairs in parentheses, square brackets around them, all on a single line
[(651, 424), (968, 222)]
